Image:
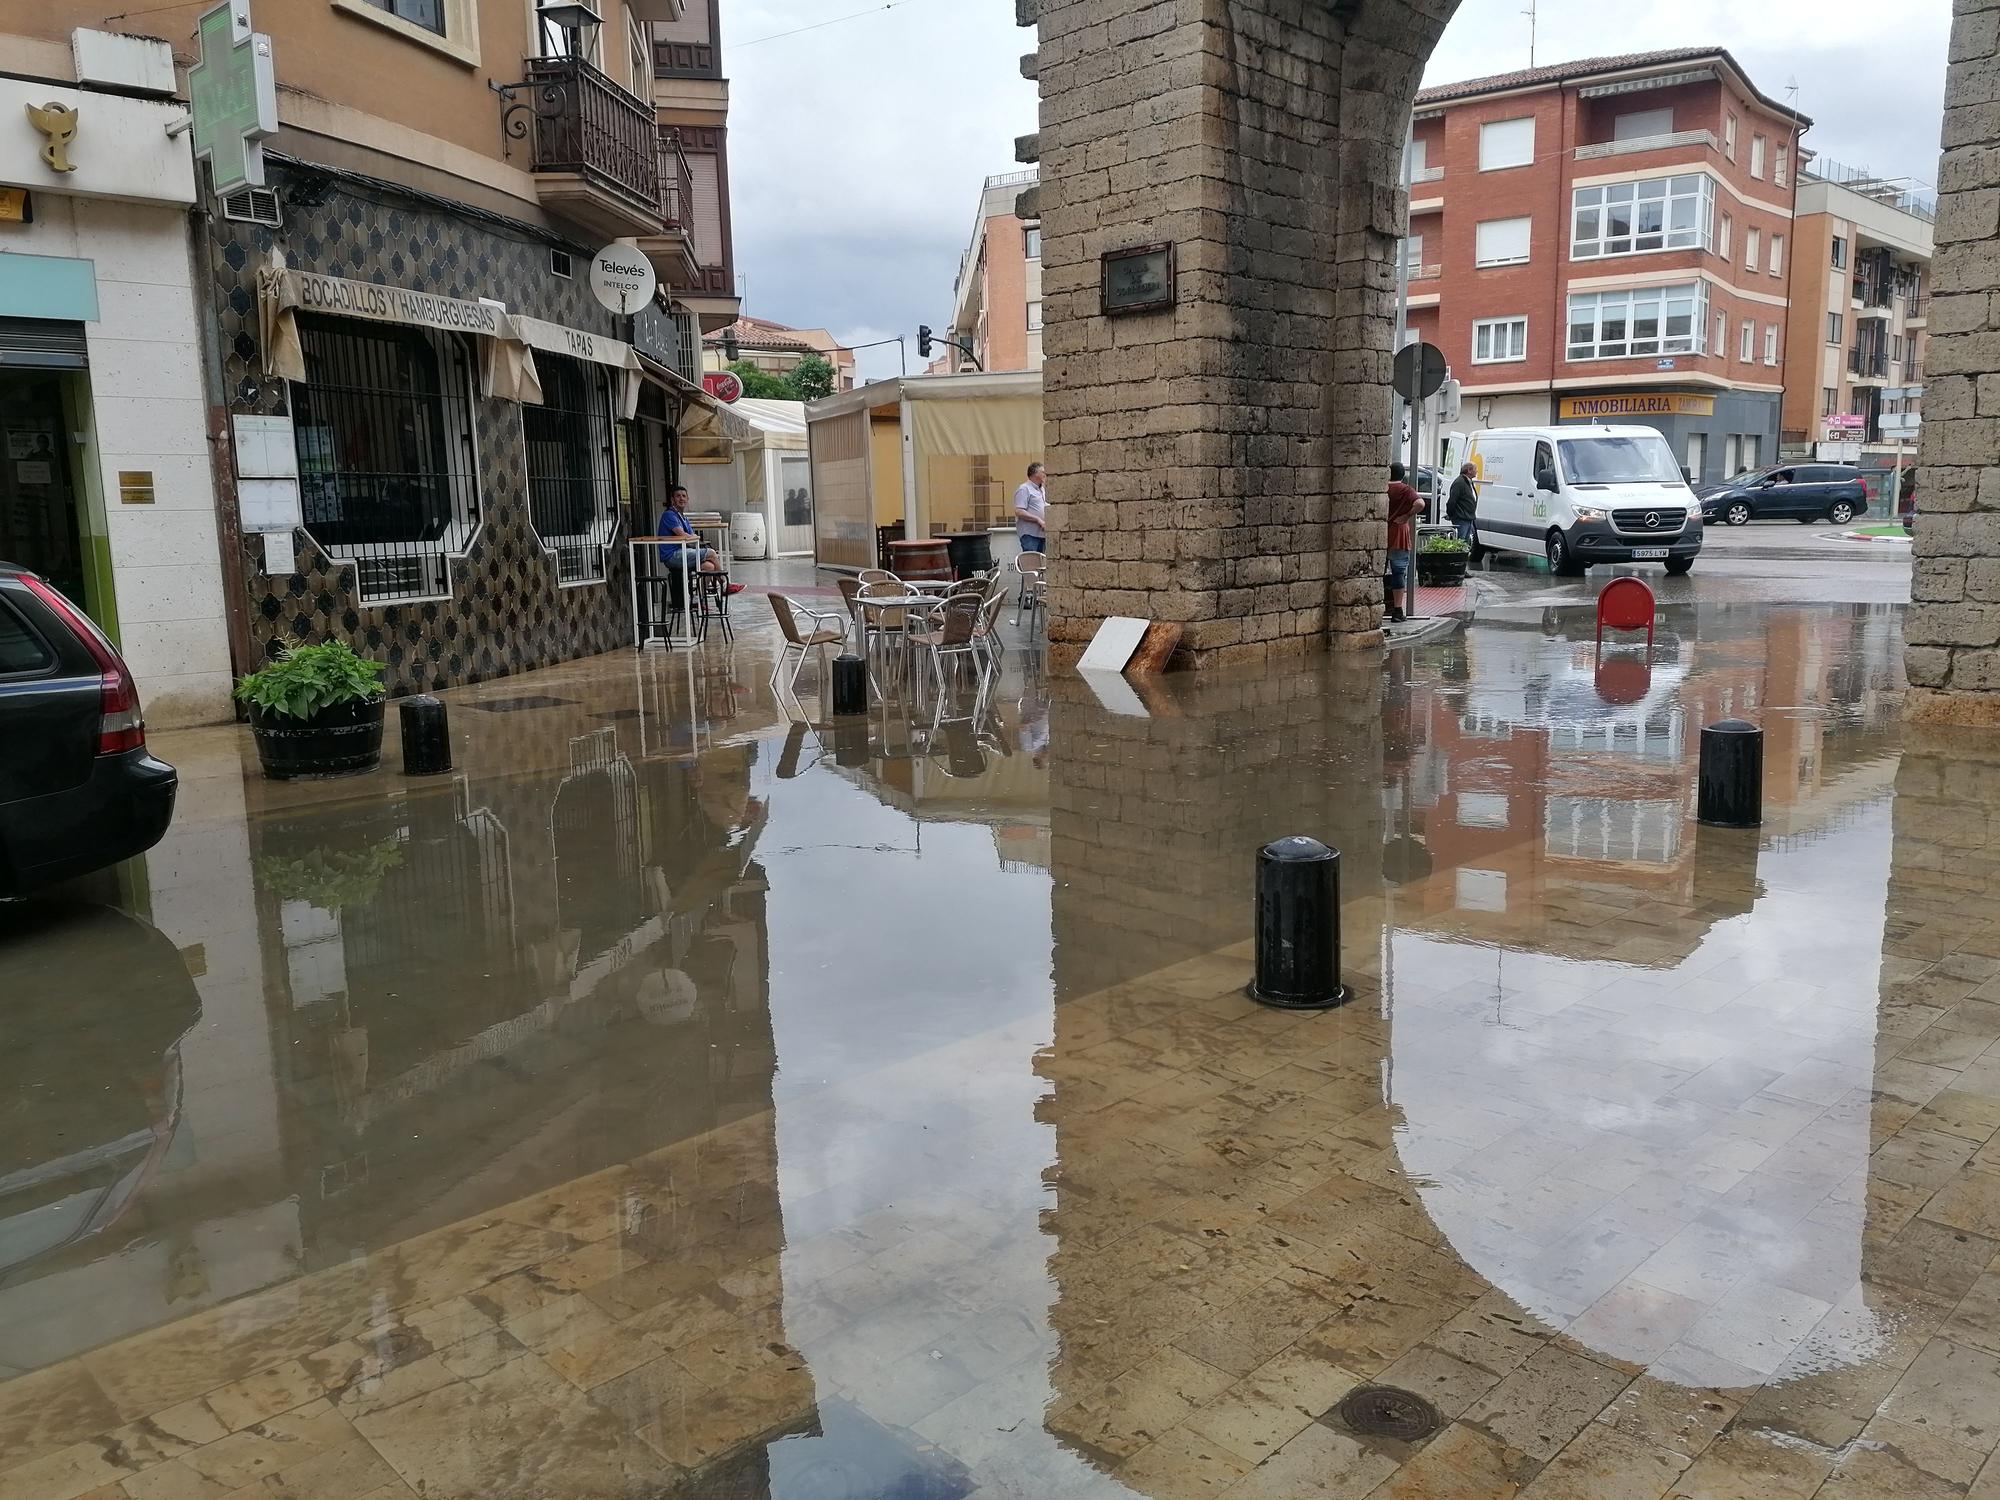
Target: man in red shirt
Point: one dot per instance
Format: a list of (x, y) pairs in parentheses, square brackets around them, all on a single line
[(1404, 503)]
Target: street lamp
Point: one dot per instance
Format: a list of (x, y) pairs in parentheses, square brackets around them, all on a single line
[(567, 26)]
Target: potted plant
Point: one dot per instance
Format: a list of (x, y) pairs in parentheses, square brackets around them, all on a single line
[(1441, 562), (316, 711)]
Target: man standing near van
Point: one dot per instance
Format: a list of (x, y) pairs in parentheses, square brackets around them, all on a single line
[(1404, 503), (1031, 511), (1461, 506)]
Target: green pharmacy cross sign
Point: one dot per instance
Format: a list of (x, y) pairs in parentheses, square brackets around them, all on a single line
[(233, 94)]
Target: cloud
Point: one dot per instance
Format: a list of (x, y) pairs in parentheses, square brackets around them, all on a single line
[(857, 150)]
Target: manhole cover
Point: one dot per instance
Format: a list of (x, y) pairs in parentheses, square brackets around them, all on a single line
[(1385, 1411)]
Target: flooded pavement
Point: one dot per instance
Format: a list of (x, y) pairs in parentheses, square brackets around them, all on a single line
[(680, 1101)]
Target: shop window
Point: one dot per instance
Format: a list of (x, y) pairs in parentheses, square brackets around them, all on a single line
[(387, 458), (572, 486), (1627, 218), (1753, 446), (1499, 340), (1638, 321), (1506, 143), (1697, 456)]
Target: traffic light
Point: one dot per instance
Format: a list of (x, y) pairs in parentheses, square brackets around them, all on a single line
[(731, 350), (923, 341)]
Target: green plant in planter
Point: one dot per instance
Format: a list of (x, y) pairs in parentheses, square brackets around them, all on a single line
[(1441, 544), (307, 679)]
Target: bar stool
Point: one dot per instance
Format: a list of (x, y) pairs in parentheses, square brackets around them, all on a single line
[(711, 591)]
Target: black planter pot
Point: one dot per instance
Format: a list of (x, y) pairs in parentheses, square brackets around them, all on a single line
[(340, 741), (1441, 570)]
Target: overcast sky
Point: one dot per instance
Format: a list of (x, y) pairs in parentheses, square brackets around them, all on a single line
[(857, 149)]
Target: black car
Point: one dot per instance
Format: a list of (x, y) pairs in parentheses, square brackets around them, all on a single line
[(78, 790), (1788, 492)]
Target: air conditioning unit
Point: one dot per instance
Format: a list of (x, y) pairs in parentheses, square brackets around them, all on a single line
[(253, 205)]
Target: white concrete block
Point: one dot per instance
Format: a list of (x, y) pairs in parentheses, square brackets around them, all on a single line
[(181, 481), (160, 311), (143, 367), (152, 424), (148, 596)]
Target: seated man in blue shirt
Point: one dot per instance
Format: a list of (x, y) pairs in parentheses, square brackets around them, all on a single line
[(674, 526)]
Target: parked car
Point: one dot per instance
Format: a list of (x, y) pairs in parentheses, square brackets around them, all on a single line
[(1788, 492), (1579, 495), (78, 788)]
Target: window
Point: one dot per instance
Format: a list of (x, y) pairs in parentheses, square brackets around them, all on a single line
[(387, 468), (1751, 240), (21, 650), (1034, 317), (1642, 123), (1732, 456), (1501, 242), (1781, 170), (1746, 346), (1413, 254), (1722, 238), (1034, 238), (572, 491), (1836, 327), (1416, 154), (1506, 143), (1697, 464), (1721, 333), (1777, 255), (428, 14), (1729, 136), (1829, 400), (1839, 253), (1499, 340), (1857, 405), (1662, 213), (1619, 460), (1757, 149), (1752, 449), (1770, 343), (1639, 321)]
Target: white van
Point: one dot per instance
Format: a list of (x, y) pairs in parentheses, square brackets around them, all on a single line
[(1579, 495)]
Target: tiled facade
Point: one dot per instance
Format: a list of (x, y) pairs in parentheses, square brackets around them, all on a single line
[(506, 613)]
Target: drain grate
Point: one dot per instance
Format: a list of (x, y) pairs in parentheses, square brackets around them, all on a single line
[(521, 704), (1385, 1411)]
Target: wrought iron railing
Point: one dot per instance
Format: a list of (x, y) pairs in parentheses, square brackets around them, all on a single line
[(676, 182), (1868, 363), (582, 122)]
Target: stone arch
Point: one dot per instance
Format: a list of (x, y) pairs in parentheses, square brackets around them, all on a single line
[(1219, 464)]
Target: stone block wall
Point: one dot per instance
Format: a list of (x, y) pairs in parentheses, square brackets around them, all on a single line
[(1221, 464), (1953, 627)]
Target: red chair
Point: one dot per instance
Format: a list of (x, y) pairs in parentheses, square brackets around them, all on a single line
[(1625, 604)]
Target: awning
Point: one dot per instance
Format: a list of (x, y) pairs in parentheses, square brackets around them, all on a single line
[(576, 343), (701, 414)]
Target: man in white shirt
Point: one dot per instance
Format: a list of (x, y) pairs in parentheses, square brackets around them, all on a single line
[(1031, 509)]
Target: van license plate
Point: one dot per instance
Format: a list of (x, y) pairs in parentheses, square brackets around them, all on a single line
[(1648, 554)]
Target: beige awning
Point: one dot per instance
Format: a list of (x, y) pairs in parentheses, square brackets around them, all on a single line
[(701, 414), (578, 343), (997, 425)]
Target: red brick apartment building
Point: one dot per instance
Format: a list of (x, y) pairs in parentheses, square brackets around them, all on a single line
[(1610, 239)]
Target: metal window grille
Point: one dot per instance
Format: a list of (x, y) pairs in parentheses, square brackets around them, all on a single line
[(572, 481), (387, 468)]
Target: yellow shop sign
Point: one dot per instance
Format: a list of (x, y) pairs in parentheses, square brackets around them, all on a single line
[(1635, 404)]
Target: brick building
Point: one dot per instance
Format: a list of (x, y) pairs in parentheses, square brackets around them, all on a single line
[(1610, 238), (1859, 316), (997, 300)]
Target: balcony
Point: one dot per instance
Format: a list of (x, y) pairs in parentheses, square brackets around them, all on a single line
[(593, 146), (1916, 311), (671, 249), (1868, 364), (1673, 140)]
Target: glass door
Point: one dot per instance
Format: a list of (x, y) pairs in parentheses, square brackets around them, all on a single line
[(38, 501)]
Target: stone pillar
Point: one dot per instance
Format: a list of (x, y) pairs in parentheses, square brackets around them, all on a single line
[(1953, 626), (1221, 464)]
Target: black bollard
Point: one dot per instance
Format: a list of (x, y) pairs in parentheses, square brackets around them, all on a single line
[(426, 736), (1298, 926), (850, 684), (1732, 775)]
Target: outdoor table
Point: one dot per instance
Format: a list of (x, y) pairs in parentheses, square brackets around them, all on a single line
[(909, 601)]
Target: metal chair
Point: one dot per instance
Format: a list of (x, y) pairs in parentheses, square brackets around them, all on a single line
[(1031, 566), (987, 633), (949, 628), (826, 629), (876, 575)]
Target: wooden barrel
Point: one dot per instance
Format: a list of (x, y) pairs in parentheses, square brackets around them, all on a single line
[(921, 561)]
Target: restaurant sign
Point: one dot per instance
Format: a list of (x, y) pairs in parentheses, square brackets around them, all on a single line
[(312, 292), (1636, 404)]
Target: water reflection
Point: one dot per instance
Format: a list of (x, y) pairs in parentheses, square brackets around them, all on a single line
[(872, 1107)]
